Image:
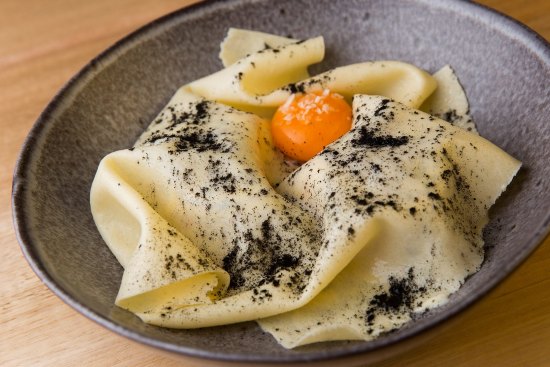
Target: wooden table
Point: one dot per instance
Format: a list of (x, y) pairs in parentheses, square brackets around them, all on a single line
[(42, 44)]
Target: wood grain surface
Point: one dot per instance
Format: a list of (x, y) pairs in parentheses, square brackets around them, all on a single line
[(42, 44)]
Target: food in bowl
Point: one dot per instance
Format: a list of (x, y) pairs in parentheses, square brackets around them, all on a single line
[(213, 224)]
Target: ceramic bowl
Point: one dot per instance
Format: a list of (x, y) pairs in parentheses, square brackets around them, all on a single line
[(503, 66)]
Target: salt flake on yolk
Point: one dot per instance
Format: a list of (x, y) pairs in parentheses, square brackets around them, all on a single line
[(306, 123)]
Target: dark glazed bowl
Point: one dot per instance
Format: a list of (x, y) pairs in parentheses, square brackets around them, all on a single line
[(504, 67)]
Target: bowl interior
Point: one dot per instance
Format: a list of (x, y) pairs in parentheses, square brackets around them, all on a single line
[(504, 68)]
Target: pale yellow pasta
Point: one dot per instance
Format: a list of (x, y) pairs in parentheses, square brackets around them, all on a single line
[(449, 101), (214, 226), (241, 43), (188, 217), (429, 239), (261, 81)]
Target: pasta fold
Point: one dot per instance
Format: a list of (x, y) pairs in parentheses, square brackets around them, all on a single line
[(429, 185), (259, 80)]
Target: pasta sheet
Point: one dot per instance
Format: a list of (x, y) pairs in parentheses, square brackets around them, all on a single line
[(259, 80)]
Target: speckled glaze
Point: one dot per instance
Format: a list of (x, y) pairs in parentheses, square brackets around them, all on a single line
[(504, 67)]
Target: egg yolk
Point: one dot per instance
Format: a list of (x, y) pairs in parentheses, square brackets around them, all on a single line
[(306, 123)]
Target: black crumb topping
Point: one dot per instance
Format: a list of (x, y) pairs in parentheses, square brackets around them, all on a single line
[(381, 107), (198, 142), (434, 195), (186, 129), (295, 88), (261, 252), (368, 138), (450, 116), (311, 84), (401, 297)]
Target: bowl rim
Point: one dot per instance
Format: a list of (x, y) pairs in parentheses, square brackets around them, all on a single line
[(490, 17)]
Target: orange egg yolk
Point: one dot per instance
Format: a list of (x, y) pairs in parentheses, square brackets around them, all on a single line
[(306, 123)]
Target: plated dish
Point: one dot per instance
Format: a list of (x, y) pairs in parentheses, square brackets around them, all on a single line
[(220, 216), (104, 115)]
